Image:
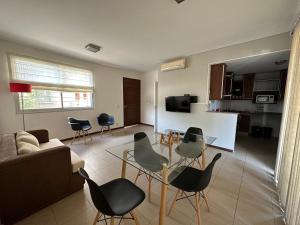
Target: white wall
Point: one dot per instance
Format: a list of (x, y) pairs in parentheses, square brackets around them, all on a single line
[(108, 94), (148, 97), (194, 79)]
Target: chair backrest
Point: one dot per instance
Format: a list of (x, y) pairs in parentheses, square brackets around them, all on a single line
[(207, 173), (191, 133), (103, 117), (98, 198), (142, 146), (75, 124), (144, 154)]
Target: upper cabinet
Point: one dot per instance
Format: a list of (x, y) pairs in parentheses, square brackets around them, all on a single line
[(217, 81), (248, 84)]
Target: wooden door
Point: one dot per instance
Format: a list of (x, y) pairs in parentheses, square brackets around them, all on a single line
[(131, 101), (217, 73), (248, 83)]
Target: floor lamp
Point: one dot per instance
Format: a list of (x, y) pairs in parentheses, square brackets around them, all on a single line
[(20, 88)]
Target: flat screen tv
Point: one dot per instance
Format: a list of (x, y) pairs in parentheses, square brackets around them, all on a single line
[(178, 104)]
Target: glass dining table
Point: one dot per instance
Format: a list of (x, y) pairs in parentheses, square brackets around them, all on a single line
[(157, 161)]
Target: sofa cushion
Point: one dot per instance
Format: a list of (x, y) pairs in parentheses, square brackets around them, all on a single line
[(23, 136), (76, 161), (26, 148), (8, 146), (51, 144)]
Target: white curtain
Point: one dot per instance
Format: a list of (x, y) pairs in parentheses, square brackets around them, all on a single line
[(288, 159)]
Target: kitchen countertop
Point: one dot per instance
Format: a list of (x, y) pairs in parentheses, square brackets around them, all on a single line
[(248, 112)]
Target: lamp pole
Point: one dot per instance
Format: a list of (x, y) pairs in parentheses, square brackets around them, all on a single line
[(23, 111)]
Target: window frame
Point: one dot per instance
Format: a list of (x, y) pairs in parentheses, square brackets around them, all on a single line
[(46, 110)]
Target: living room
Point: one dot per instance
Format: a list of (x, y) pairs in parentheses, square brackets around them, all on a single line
[(92, 90)]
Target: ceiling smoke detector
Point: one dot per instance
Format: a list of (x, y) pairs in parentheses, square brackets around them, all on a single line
[(92, 48), (280, 62), (179, 1)]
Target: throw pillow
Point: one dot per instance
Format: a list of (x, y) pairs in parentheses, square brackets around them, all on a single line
[(26, 148), (23, 136)]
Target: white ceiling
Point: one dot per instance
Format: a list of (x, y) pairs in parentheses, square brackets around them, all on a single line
[(139, 34), (259, 64)]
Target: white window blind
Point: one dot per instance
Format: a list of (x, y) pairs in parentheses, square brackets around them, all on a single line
[(54, 76), (54, 86)]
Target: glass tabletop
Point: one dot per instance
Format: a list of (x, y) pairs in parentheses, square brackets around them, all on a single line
[(146, 154)]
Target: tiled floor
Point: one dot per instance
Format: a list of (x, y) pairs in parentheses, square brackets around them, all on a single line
[(241, 191)]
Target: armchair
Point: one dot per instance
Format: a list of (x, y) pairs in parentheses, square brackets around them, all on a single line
[(105, 120), (81, 127)]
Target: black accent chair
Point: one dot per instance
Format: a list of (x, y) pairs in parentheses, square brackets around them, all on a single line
[(81, 127), (191, 146), (114, 199), (105, 120), (150, 161), (195, 181)]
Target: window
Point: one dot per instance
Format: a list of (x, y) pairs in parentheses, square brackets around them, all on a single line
[(54, 86)]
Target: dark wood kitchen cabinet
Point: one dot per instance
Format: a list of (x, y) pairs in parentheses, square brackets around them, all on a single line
[(248, 85), (217, 81)]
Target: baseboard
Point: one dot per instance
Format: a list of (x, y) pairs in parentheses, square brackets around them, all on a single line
[(92, 133), (146, 124)]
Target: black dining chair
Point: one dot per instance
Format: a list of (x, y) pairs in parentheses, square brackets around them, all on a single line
[(114, 199), (192, 180), (150, 162), (192, 146), (105, 120), (81, 127)]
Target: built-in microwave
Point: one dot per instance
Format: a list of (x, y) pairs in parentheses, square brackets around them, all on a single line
[(265, 97)]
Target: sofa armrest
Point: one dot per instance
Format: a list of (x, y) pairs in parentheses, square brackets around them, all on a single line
[(33, 181), (42, 135)]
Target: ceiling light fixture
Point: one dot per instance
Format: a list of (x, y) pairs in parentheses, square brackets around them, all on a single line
[(92, 48), (179, 1), (281, 62)]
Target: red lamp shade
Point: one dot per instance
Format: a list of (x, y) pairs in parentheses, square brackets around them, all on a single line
[(19, 87)]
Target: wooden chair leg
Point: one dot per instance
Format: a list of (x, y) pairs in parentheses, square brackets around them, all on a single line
[(136, 220), (98, 215), (174, 201), (161, 138), (74, 137), (84, 136), (137, 176), (112, 220), (198, 209), (200, 164), (203, 160), (206, 201)]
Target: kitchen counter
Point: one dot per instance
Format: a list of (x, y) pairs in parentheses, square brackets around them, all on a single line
[(248, 112)]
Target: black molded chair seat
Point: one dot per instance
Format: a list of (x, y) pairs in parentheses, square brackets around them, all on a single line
[(192, 180), (186, 180), (86, 127), (122, 195), (114, 199)]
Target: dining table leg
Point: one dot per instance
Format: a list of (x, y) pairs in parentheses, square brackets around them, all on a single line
[(203, 159), (163, 195), (124, 163)]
